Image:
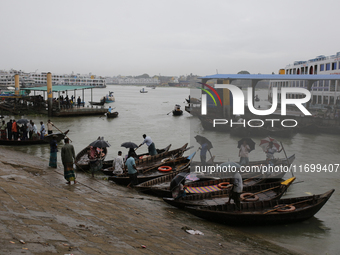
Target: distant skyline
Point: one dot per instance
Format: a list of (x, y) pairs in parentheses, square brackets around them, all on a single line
[(168, 38)]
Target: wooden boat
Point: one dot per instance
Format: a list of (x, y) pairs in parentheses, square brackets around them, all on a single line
[(177, 112), (112, 115), (143, 91), (280, 132), (107, 165), (161, 186), (260, 172), (281, 211), (46, 140), (82, 160), (240, 131), (97, 103), (177, 165), (259, 192)]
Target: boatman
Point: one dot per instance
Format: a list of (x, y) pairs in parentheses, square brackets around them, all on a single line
[(236, 190), (132, 171), (110, 109), (49, 127), (150, 144)]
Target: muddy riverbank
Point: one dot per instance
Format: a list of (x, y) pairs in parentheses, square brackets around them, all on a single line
[(98, 217)]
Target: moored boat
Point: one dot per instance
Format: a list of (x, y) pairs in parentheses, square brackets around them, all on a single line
[(59, 136), (161, 186), (280, 211), (97, 103), (177, 111), (259, 192), (177, 165), (112, 115), (107, 165)]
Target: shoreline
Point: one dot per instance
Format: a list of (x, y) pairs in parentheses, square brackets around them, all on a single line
[(99, 217)]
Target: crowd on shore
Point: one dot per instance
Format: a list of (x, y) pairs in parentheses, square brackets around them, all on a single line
[(23, 130)]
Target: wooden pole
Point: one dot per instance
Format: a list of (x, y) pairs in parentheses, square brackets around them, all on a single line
[(286, 158), (61, 132)]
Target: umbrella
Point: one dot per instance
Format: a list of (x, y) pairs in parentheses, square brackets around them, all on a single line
[(202, 140), (129, 145), (22, 121), (100, 143), (177, 180), (265, 143), (249, 141)]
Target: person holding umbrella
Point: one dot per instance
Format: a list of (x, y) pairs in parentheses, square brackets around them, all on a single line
[(131, 146), (270, 152), (244, 153), (245, 145), (150, 144), (206, 145)]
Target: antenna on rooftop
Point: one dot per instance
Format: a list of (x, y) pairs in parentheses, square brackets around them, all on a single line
[(216, 71)]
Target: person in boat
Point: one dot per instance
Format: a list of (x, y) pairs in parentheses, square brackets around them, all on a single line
[(110, 109), (42, 130), (49, 127), (3, 130), (23, 130), (30, 129), (132, 153), (244, 153), (68, 157), (14, 130), (118, 164), (150, 144), (34, 131), (236, 190), (270, 153), (9, 130), (53, 152), (132, 171), (96, 162), (177, 107)]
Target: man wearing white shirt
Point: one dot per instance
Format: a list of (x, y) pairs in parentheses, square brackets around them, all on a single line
[(150, 144)]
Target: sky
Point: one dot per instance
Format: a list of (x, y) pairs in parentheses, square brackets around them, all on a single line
[(168, 38)]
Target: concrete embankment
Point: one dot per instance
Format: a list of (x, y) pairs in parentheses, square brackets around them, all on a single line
[(41, 214)]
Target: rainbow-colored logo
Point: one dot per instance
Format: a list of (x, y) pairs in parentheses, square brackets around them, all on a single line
[(208, 92)]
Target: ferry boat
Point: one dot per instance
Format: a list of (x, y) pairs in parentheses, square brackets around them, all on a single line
[(324, 92), (34, 79)]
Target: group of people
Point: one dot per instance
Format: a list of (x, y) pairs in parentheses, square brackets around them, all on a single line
[(66, 102), (23, 131), (119, 163)]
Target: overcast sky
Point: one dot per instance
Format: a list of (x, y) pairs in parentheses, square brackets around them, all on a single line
[(176, 37)]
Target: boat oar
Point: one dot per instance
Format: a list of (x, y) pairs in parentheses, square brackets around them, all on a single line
[(61, 132), (169, 112), (211, 157), (286, 158)]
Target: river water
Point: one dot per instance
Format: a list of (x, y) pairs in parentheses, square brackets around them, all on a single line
[(150, 113)]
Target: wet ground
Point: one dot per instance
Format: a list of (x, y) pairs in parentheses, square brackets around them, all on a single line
[(41, 214)]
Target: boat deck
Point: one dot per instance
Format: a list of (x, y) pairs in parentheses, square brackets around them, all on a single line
[(83, 111)]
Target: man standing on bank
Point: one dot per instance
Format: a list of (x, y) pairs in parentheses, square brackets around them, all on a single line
[(132, 171), (68, 157), (150, 144)]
